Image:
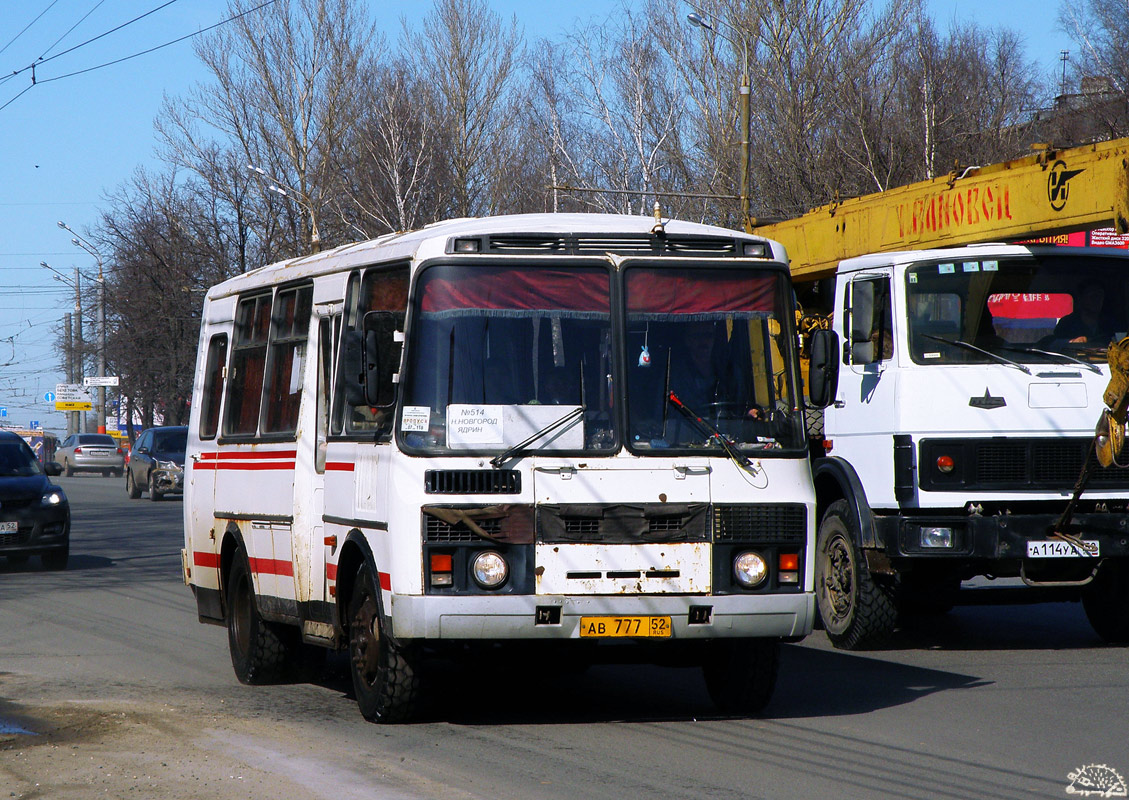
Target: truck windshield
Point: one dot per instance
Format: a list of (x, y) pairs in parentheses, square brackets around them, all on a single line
[(1049, 308), (497, 353), (708, 355)]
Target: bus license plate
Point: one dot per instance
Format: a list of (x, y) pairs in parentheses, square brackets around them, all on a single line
[(625, 627), (1057, 548)]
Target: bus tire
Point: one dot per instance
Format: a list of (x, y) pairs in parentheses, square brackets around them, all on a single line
[(857, 612), (385, 678), (258, 648), (1106, 602), (740, 674)]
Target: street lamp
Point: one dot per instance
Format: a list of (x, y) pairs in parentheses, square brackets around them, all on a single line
[(699, 21), (80, 242), (280, 187), (74, 362)]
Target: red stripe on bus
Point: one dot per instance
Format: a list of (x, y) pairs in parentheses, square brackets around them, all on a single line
[(331, 571), (385, 581), (266, 465), (205, 559), (271, 566), (342, 466), (227, 455)]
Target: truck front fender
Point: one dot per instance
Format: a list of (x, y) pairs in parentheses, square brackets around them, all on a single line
[(835, 479)]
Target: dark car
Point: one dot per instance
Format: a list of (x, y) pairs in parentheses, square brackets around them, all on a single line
[(35, 517), (156, 463)]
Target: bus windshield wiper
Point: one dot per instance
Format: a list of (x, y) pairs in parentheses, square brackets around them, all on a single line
[(1053, 354), (975, 349), (711, 431), (572, 416)]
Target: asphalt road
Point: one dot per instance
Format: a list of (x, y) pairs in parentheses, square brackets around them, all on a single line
[(109, 687)]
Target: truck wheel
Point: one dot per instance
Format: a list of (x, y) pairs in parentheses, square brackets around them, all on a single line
[(259, 649), (385, 679), (857, 612), (741, 674), (132, 490), (1106, 602)]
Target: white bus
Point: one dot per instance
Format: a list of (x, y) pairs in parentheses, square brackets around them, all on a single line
[(564, 430)]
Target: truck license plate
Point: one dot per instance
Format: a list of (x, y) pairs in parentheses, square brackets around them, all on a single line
[(1057, 548), (625, 627)]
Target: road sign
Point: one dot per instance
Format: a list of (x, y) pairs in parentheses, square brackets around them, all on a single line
[(34, 424), (99, 380), (72, 405), (49, 397), (3, 411)]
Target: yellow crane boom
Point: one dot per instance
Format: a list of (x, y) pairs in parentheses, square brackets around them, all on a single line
[(1045, 194)]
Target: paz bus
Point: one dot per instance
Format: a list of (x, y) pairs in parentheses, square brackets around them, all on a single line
[(582, 434)]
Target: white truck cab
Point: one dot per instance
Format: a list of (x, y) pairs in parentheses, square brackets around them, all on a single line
[(970, 381)]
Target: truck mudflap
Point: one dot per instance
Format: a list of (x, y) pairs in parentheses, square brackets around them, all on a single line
[(1005, 537)]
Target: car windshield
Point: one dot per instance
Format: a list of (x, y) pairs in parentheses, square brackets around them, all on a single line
[(1049, 308), (17, 461), (170, 442), (497, 353), (708, 355)]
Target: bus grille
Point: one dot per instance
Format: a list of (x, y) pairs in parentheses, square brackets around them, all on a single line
[(586, 244), (782, 523), (436, 531), (472, 481)]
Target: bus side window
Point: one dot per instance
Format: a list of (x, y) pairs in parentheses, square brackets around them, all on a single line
[(213, 386), (290, 330), (249, 355)]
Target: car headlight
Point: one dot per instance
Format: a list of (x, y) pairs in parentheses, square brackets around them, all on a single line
[(489, 569), (750, 569), (55, 497), (169, 466)]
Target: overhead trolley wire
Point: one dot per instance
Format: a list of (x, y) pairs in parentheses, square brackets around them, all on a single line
[(35, 80)]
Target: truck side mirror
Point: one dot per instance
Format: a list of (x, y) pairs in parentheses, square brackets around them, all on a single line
[(380, 357), (823, 369)]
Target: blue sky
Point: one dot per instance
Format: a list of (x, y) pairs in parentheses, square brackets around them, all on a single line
[(66, 143)]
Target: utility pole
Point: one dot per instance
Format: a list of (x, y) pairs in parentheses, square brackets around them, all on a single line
[(68, 351), (80, 242)]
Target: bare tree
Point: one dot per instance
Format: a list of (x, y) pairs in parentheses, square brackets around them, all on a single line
[(471, 58), (284, 99)]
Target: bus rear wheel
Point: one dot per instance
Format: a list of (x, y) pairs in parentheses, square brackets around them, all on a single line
[(385, 678)]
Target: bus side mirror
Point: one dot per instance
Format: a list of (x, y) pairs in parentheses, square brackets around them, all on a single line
[(380, 357), (823, 370)]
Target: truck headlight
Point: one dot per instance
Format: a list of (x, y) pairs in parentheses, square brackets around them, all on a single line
[(936, 537)]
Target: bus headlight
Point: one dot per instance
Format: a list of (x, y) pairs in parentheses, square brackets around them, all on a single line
[(750, 569), (489, 569)]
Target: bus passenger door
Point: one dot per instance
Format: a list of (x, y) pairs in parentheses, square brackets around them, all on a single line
[(310, 564)]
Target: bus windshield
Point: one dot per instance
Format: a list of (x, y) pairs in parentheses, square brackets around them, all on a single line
[(1052, 308), (499, 353), (708, 355)]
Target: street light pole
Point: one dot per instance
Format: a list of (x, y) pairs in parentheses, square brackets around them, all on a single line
[(75, 364), (743, 108), (280, 187), (80, 242)]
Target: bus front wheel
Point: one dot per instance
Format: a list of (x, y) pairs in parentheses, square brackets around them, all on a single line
[(259, 649), (385, 678)]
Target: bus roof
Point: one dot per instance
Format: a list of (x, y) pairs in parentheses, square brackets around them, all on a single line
[(431, 241)]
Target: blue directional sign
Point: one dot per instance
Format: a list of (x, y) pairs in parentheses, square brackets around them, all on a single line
[(49, 397)]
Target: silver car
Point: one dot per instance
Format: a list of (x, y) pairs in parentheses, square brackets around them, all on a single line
[(91, 452)]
